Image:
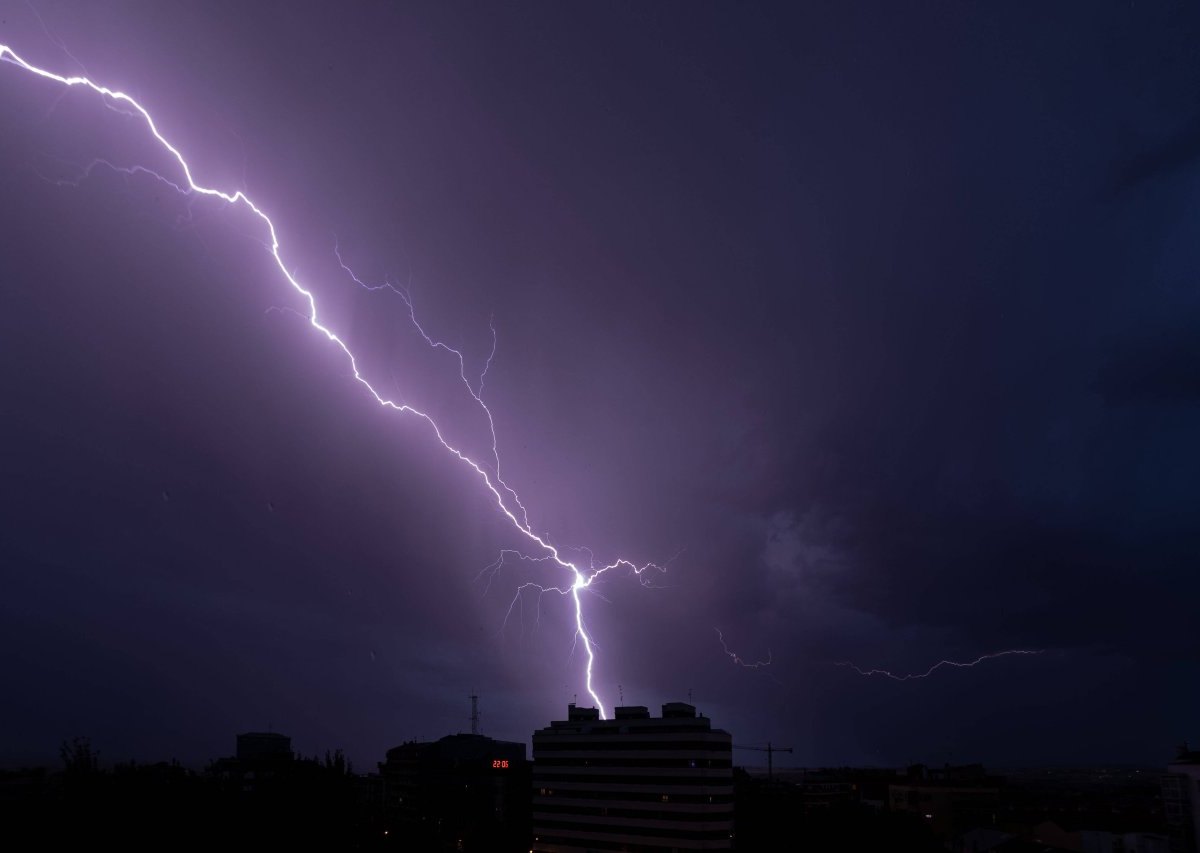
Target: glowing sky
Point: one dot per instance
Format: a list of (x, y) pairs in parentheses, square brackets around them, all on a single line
[(883, 323)]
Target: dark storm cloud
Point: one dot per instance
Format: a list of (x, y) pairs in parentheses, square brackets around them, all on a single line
[(1179, 152), (1164, 369)]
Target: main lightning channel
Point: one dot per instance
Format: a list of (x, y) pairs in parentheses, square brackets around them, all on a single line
[(581, 579)]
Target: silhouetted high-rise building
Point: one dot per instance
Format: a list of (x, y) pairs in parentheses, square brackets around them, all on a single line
[(634, 782), (1181, 801)]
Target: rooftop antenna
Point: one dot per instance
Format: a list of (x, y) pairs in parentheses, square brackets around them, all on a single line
[(621, 693), (474, 714), (689, 696)]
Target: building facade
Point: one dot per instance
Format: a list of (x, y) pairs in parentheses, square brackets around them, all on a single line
[(632, 783), (1181, 801), (950, 800)]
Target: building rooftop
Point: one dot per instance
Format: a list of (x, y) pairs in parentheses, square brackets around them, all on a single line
[(676, 716), (458, 748)]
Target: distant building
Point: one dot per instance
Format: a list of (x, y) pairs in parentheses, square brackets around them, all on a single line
[(463, 792), (1096, 841), (634, 782), (1052, 835), (256, 747), (950, 800), (261, 758), (1181, 801)]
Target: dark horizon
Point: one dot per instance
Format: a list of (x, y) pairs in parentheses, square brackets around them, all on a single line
[(873, 328), (782, 761)]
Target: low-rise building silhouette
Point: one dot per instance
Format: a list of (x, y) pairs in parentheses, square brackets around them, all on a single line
[(462, 792), (260, 759), (951, 800)]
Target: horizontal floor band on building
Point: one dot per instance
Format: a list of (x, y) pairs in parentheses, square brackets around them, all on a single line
[(680, 812), (670, 803), (715, 742), (651, 795), (623, 776), (563, 844), (619, 761), (634, 728), (634, 750), (636, 829), (616, 750), (688, 772)]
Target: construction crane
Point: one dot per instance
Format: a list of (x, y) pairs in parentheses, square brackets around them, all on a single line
[(770, 751)]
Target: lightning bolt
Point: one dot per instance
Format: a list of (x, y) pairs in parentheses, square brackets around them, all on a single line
[(939, 665), (580, 578)]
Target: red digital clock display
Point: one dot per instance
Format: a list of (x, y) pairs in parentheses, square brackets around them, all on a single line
[(499, 763)]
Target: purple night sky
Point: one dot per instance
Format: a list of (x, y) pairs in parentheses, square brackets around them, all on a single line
[(880, 322)]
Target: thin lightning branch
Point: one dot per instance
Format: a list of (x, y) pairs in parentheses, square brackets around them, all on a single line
[(580, 580), (475, 393), (733, 656), (128, 172), (759, 666), (493, 569), (487, 365), (284, 309), (54, 39), (519, 598), (939, 665)]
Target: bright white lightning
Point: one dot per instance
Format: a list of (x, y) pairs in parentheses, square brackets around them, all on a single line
[(939, 665), (580, 579)]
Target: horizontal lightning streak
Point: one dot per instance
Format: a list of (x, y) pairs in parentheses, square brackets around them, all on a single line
[(938, 665), (581, 579)]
